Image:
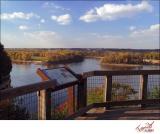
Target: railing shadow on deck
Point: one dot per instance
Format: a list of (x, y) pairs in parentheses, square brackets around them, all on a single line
[(45, 101)]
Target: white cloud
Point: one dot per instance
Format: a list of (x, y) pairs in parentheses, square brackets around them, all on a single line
[(42, 21), (42, 39), (42, 35), (18, 15), (131, 28), (23, 27), (105, 36), (155, 27), (51, 39), (90, 16), (153, 30), (36, 39), (52, 6), (62, 19), (115, 11), (137, 39)]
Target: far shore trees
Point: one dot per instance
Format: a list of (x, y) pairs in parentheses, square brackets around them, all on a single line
[(129, 58), (68, 55), (55, 56)]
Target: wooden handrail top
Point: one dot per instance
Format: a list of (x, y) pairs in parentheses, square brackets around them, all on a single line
[(128, 103), (18, 91), (120, 72)]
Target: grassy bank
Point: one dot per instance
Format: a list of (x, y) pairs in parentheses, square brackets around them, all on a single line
[(123, 66)]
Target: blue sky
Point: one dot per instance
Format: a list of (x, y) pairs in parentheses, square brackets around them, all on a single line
[(80, 24)]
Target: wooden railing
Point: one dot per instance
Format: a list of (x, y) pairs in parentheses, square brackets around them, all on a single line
[(109, 74), (44, 90)]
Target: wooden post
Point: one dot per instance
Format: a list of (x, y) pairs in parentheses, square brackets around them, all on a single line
[(82, 94), (143, 92), (108, 88), (71, 100), (44, 104)]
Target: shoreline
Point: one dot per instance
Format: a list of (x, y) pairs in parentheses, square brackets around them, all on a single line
[(122, 65), (90, 57), (67, 62), (129, 65), (43, 62), (27, 62)]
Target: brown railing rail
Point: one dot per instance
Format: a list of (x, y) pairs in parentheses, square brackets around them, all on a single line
[(45, 89), (120, 73), (18, 91)]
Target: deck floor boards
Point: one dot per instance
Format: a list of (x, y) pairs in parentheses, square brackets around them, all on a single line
[(133, 113)]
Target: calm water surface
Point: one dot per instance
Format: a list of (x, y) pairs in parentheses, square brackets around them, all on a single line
[(23, 74)]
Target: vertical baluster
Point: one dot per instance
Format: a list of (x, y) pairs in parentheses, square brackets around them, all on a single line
[(108, 88), (82, 94), (44, 104), (71, 100), (143, 92)]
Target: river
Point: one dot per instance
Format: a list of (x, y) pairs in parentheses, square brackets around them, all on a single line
[(23, 74)]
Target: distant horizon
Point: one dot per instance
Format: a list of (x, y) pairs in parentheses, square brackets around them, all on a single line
[(90, 48), (75, 24)]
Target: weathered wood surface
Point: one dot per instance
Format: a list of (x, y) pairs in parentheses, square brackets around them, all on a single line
[(18, 91), (120, 72), (80, 112), (71, 100), (82, 94), (132, 113), (143, 83), (44, 104), (122, 104), (108, 88), (128, 103)]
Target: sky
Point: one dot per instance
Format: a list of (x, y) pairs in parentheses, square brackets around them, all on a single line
[(80, 24)]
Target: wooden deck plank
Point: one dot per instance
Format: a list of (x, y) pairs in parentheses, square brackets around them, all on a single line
[(132, 113)]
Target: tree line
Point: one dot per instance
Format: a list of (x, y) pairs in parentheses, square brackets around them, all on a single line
[(77, 55), (45, 55), (129, 58)]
